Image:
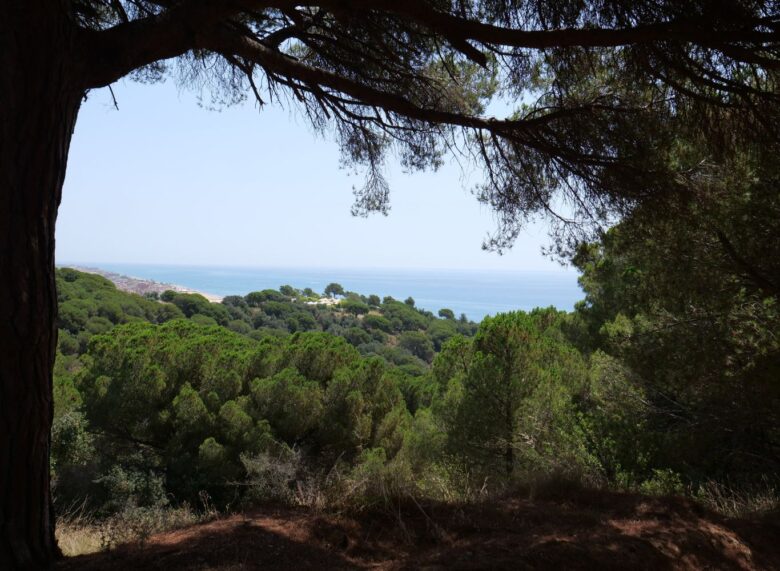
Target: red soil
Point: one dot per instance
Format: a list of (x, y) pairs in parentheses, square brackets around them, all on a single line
[(587, 531)]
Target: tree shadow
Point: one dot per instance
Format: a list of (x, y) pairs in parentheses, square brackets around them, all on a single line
[(227, 545), (577, 531), (597, 530), (762, 535)]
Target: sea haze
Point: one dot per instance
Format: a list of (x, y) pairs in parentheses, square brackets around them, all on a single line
[(476, 293)]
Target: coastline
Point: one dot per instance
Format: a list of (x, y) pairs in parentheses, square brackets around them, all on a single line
[(143, 286), (497, 292)]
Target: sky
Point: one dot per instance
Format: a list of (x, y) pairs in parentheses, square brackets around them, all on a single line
[(162, 180)]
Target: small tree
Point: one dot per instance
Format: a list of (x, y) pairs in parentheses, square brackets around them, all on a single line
[(445, 313), (288, 291), (354, 307), (511, 358), (334, 289), (257, 298)]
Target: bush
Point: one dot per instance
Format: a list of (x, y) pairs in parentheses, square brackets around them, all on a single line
[(67, 344), (417, 344), (663, 483), (356, 336), (79, 532), (354, 307), (125, 487), (240, 326), (377, 322), (272, 477), (257, 298)]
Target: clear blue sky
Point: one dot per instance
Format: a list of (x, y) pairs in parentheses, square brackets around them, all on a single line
[(165, 181)]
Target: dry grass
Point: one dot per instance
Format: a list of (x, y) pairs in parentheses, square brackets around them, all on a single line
[(581, 529), (743, 501), (77, 533)]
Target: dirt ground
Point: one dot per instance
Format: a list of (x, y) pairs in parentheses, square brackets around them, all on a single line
[(593, 530)]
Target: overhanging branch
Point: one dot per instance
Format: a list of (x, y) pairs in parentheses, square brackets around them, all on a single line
[(276, 63), (119, 50)]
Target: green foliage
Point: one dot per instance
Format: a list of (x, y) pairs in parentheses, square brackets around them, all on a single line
[(356, 336), (453, 361), (403, 317), (440, 331), (306, 403), (290, 402), (239, 326), (125, 486), (317, 356), (516, 397), (256, 298), (418, 344), (333, 289), (192, 304), (268, 476), (663, 483), (447, 314), (190, 400), (377, 322), (613, 419), (191, 417), (71, 444), (270, 311), (288, 291), (688, 303), (91, 304), (363, 408), (354, 307)]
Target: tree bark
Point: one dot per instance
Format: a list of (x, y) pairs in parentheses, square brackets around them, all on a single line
[(39, 101)]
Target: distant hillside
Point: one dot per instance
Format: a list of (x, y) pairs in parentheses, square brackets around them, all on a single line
[(143, 286), (374, 434), (170, 396)]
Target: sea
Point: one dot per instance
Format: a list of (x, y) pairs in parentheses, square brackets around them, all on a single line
[(475, 293)]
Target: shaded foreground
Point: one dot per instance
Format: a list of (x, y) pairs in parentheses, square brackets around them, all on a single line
[(591, 530)]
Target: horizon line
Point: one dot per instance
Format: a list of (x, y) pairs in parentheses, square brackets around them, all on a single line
[(97, 264)]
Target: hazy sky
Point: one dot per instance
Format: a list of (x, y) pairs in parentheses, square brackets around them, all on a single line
[(162, 180)]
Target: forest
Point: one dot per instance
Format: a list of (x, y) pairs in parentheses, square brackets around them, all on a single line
[(663, 380), (643, 132)]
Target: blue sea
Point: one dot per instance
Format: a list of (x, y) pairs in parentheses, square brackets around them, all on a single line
[(475, 293)]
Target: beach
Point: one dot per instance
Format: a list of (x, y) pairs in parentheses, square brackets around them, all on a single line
[(143, 286)]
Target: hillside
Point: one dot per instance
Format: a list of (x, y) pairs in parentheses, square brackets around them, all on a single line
[(388, 437), (584, 530), (142, 286)]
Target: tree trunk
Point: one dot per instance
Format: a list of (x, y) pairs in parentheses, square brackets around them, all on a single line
[(509, 460), (39, 102)]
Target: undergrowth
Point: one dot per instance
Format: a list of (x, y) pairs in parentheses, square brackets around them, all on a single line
[(374, 483)]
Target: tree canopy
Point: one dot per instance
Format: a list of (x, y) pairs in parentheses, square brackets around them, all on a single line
[(593, 95), (590, 86)]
